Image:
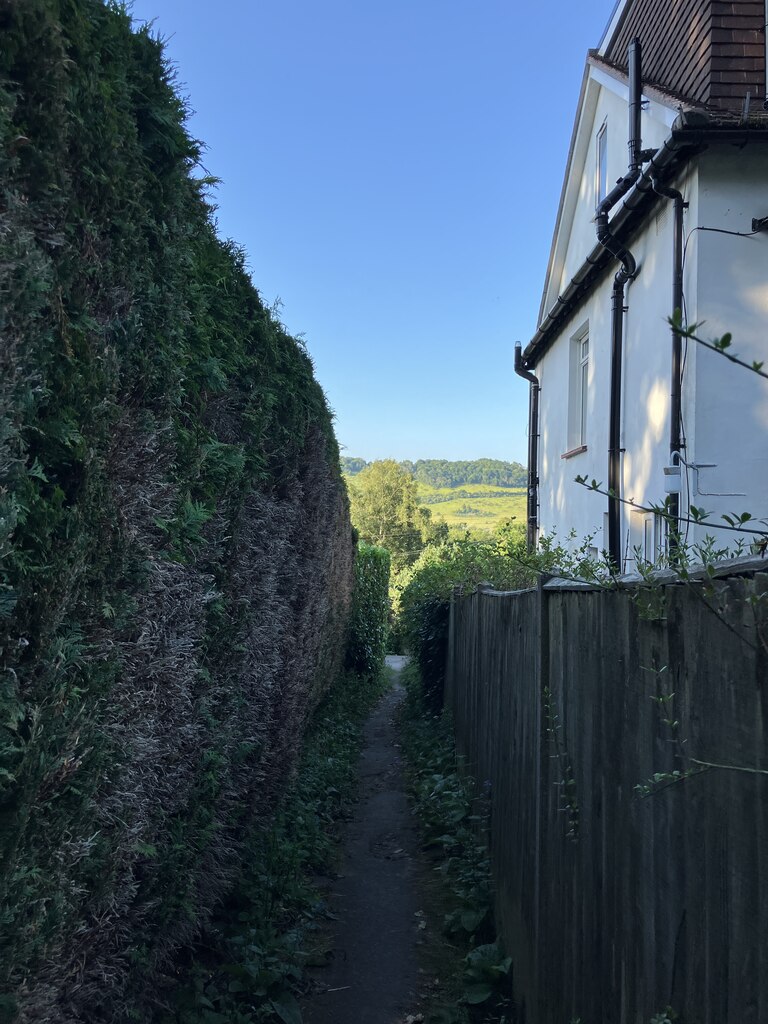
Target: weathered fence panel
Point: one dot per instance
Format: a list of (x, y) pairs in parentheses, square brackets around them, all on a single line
[(499, 724), (615, 905)]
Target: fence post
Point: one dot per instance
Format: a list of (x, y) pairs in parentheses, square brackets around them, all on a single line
[(449, 699)]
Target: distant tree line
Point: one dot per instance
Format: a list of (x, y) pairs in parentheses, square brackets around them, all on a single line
[(442, 473), (440, 498)]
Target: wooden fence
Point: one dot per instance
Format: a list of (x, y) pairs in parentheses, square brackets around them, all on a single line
[(614, 904)]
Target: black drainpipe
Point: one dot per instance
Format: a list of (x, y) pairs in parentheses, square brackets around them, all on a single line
[(533, 446), (676, 442), (626, 272)]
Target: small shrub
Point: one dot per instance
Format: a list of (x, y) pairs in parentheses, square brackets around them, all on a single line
[(425, 595)]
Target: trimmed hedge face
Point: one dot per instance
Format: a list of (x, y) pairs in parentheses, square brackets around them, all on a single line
[(367, 642), (175, 549)]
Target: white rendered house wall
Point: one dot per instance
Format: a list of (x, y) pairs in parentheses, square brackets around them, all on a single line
[(604, 102), (564, 504), (729, 439), (725, 407)]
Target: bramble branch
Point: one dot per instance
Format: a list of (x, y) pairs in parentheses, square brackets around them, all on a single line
[(719, 345)]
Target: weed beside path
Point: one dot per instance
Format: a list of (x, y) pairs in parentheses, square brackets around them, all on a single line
[(473, 981), (396, 928)]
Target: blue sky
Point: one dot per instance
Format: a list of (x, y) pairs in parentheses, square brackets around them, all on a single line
[(393, 171)]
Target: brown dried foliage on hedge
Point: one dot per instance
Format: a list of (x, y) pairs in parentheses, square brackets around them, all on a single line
[(175, 548)]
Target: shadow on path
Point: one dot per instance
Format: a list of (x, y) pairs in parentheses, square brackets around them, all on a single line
[(373, 975)]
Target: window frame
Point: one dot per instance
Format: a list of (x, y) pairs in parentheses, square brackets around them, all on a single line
[(601, 163), (578, 391), (583, 385)]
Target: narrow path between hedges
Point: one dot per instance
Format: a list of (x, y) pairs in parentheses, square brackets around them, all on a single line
[(373, 974)]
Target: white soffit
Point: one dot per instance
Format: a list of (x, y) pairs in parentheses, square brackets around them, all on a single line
[(655, 104)]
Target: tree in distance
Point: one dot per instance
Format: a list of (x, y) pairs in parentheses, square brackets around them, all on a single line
[(351, 466), (385, 511)]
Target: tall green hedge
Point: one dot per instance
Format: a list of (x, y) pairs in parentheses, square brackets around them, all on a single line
[(175, 549), (368, 623)]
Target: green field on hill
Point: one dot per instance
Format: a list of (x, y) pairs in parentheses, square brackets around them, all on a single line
[(479, 507)]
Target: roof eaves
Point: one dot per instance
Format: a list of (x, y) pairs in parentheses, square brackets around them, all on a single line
[(692, 132), (659, 93), (653, 92)]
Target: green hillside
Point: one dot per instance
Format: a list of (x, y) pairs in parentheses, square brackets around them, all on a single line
[(477, 495), (479, 507)]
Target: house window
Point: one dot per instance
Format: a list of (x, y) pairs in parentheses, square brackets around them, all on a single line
[(601, 165), (579, 390)]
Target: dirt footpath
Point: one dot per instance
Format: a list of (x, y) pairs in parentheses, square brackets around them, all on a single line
[(373, 975)]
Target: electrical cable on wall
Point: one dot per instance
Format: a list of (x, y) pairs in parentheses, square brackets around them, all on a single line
[(688, 466)]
